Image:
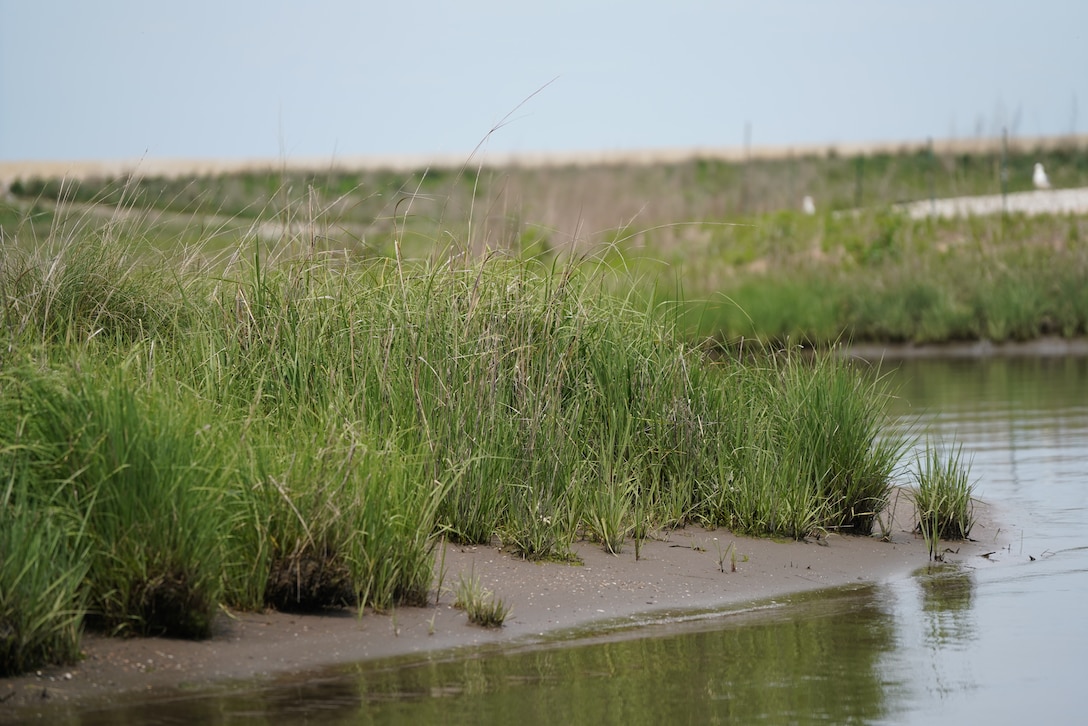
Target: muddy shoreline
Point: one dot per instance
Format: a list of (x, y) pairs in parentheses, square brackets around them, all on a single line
[(683, 570)]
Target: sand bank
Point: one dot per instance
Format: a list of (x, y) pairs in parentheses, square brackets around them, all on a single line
[(684, 570)]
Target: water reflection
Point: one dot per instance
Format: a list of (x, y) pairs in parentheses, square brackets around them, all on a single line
[(947, 594), (815, 659), (1001, 641)]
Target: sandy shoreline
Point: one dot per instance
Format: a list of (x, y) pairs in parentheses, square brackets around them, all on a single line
[(680, 571)]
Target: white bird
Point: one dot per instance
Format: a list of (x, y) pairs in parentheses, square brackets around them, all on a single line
[(808, 206), (1039, 178)]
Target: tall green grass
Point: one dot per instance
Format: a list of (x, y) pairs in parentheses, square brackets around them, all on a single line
[(298, 430), (350, 523), (803, 452), (131, 464), (943, 496), (42, 604)]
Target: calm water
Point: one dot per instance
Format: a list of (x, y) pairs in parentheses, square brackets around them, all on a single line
[(1007, 643), (1000, 642)]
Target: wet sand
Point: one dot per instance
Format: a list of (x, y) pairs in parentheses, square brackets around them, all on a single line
[(687, 569)]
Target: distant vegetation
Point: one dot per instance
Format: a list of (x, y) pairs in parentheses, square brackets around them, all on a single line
[(880, 276), (727, 238)]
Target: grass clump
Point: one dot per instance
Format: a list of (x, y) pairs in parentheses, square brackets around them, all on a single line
[(479, 603), (943, 497), (350, 525), (41, 601), (802, 452), (41, 562), (147, 492)]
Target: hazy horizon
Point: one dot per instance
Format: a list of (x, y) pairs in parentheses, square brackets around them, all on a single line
[(335, 79)]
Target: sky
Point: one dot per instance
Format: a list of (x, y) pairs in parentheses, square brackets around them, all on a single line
[(131, 79)]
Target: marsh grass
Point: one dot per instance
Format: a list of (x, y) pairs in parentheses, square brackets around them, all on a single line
[(297, 421), (730, 554), (42, 559), (42, 604), (296, 429), (350, 525), (750, 264), (609, 515), (943, 496), (480, 604), (832, 420), (149, 495), (802, 452)]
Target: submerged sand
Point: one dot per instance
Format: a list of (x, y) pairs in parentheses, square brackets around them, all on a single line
[(684, 570)]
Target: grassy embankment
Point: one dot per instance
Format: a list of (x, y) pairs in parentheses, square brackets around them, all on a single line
[(886, 278), (298, 431)]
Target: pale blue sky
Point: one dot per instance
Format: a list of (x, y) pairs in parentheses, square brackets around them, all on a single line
[(124, 79)]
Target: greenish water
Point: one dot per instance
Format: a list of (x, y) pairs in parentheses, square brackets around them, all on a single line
[(815, 658), (998, 640)]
